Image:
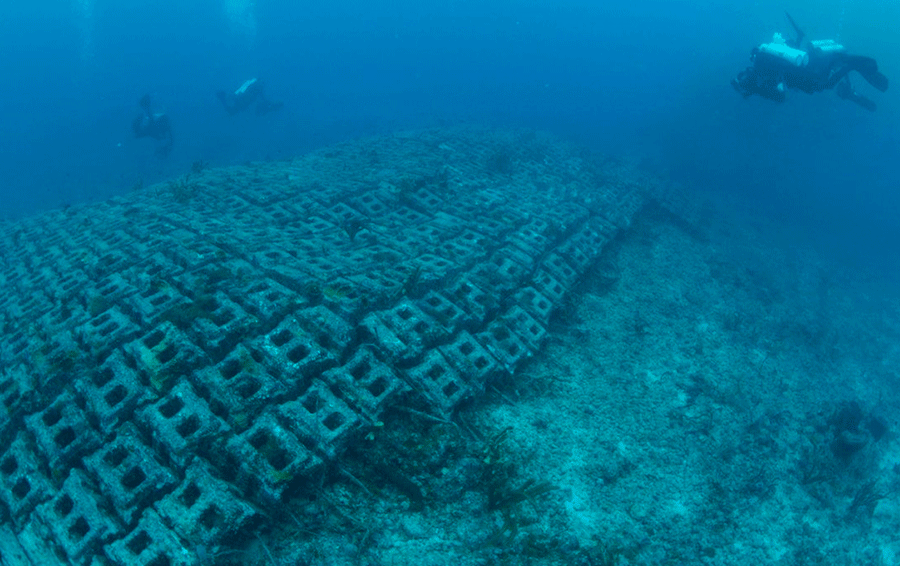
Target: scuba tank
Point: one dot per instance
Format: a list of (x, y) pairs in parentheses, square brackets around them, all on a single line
[(828, 45), (778, 48)]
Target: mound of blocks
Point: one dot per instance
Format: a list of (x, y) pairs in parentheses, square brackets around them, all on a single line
[(176, 362)]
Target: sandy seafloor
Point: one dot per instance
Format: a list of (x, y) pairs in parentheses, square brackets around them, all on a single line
[(709, 396)]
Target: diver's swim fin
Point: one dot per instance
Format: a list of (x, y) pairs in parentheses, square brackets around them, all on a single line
[(877, 80), (864, 102), (800, 34)]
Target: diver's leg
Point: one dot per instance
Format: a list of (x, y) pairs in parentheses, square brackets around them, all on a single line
[(845, 91)]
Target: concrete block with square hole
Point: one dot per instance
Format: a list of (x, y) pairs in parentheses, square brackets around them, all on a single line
[(205, 510), (321, 419), (79, 525), (437, 382), (112, 392), (523, 325), (469, 297), (62, 432), (164, 356), (240, 387), (151, 543), (475, 364), (23, 483), (181, 426), (266, 460), (293, 352), (366, 383), (129, 474), (505, 346), (107, 331), (223, 327)]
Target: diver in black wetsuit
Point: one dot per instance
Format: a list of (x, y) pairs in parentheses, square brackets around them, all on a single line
[(153, 125), (810, 66), (248, 94)]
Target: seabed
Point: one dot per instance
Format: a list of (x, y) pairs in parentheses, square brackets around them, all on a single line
[(451, 346)]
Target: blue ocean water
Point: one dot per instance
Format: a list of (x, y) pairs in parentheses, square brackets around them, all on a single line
[(707, 399), (645, 79)]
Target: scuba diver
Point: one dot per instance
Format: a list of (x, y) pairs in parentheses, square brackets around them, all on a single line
[(156, 126), (249, 93), (810, 66)]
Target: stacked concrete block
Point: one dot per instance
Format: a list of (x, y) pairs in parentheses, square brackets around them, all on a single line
[(79, 525), (537, 305), (13, 552), (471, 360), (163, 356), (403, 216), (311, 269), (471, 298), (321, 419), (501, 273), (466, 248), (156, 299), (17, 345), (424, 199), (108, 331), (332, 331), (372, 204), (129, 474), (380, 288), (112, 288), (434, 269), (583, 248), (493, 227), (37, 544), (283, 214), (112, 261), (222, 327), (267, 299), (180, 252), (565, 215), (344, 299), (413, 327), (366, 383), (181, 426), (204, 510), (530, 239), (430, 233), (549, 286), (151, 543), (506, 347), (444, 312), (285, 268), (18, 395), (438, 383), (556, 264), (291, 351), (240, 387), (66, 314), (340, 214), (523, 325), (263, 192), (157, 269), (62, 433), (23, 483), (112, 393), (266, 460)]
